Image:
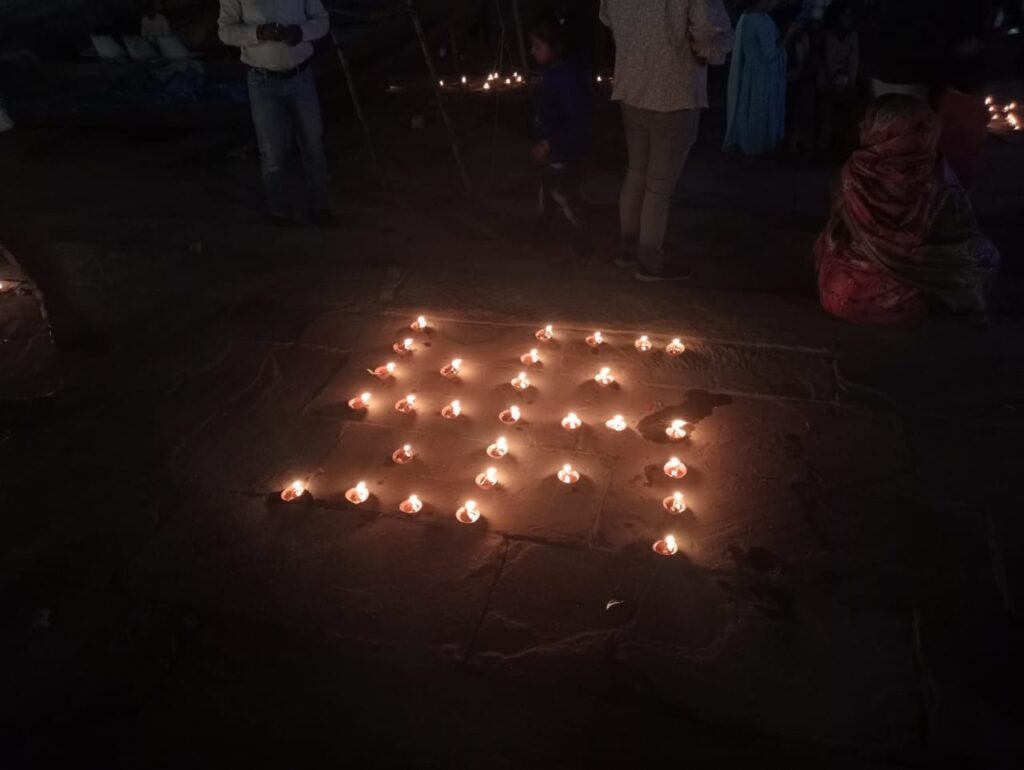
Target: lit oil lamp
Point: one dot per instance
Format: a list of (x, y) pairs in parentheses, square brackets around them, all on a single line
[(532, 358), (403, 348), (407, 404), (643, 343), (293, 491), (677, 430), (567, 475), (675, 503), (362, 401), (545, 334), (358, 494), (675, 347), (403, 455), (520, 382), (420, 324), (617, 423), (510, 416), (469, 513), (666, 547), (487, 86), (440, 83), (411, 505), (989, 100), (488, 479), (674, 468), (384, 371), (463, 80), (571, 421), (598, 78), (452, 410), (595, 340), (451, 369), (604, 377), (498, 449)]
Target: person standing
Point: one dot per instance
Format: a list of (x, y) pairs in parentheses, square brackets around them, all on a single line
[(757, 83), (663, 49), (276, 38)]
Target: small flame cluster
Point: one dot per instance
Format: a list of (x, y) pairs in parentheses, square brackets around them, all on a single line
[(488, 479), (1002, 115)]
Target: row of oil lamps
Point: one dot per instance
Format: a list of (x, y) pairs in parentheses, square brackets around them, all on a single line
[(495, 77), (470, 512), (1003, 112)]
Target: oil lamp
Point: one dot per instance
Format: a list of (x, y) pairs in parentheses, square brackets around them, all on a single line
[(604, 377), (451, 369), (677, 430), (520, 382), (407, 404), (452, 410), (384, 371), (617, 423), (487, 87), (358, 494), (440, 83), (362, 401), (643, 343), (403, 455), (463, 80), (468, 513), (420, 324), (545, 334), (675, 503), (675, 347), (666, 547), (571, 421), (674, 468), (595, 340), (293, 491), (531, 358), (404, 347), (567, 475), (498, 449), (510, 416), (488, 479), (411, 505)]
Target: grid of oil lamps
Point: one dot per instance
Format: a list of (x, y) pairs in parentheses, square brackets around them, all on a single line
[(471, 511)]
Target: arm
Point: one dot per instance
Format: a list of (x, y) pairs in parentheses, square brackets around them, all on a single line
[(231, 29), (710, 30), (317, 23)]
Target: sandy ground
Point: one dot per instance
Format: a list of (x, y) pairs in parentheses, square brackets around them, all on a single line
[(848, 583)]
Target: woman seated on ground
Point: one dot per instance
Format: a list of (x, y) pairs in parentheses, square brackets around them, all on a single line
[(902, 236)]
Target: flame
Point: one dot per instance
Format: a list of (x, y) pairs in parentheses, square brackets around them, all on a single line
[(361, 488), (471, 508), (456, 364), (455, 407), (298, 487), (598, 339), (598, 78), (567, 468), (989, 100), (421, 321), (440, 83), (534, 356), (674, 462), (572, 420), (407, 343), (414, 500), (514, 412), (487, 86), (491, 475), (670, 544), (463, 80), (549, 329), (390, 367), (407, 450), (410, 400), (364, 397), (617, 423), (604, 377)]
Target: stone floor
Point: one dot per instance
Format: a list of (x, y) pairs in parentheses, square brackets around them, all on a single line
[(846, 592)]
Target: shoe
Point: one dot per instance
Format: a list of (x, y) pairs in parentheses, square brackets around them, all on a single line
[(323, 218), (676, 273), (626, 260)]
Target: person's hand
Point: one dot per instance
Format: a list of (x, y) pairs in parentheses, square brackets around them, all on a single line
[(540, 150), (292, 34), (270, 33)]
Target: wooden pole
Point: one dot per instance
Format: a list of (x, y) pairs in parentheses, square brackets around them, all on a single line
[(432, 70), (524, 62), (356, 104)]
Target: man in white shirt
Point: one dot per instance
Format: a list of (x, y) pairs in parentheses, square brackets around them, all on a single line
[(276, 38), (663, 49)]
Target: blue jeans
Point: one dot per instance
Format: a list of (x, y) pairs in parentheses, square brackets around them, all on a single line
[(285, 112)]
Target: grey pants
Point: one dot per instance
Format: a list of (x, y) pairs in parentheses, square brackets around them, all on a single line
[(658, 144)]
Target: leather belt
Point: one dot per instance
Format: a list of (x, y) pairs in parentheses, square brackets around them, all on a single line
[(279, 74)]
